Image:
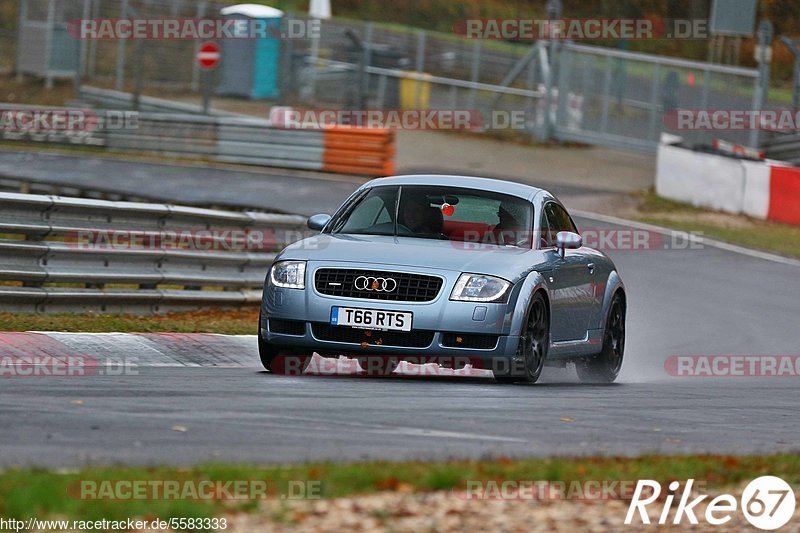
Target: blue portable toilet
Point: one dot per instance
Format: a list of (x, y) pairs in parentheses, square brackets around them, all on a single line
[(250, 67)]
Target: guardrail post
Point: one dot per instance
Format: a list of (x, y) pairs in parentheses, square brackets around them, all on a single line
[(421, 39), (314, 59), (653, 129), (606, 96), (794, 48), (364, 94), (120, 81), (48, 52), (553, 12), (91, 60), (200, 13), (23, 16), (764, 57), (475, 69)]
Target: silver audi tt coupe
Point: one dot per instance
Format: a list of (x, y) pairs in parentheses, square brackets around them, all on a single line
[(448, 269)]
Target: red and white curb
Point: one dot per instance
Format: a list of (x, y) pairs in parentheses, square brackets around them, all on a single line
[(146, 349)]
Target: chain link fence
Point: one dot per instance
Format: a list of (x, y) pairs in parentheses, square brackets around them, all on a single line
[(607, 96), (598, 95)]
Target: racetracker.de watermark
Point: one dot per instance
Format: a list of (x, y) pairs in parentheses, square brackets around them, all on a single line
[(575, 29), (410, 365), (783, 120), (188, 29), (604, 239), (24, 120), (206, 240), (194, 490), (44, 366), (546, 490), (733, 366), (399, 119)]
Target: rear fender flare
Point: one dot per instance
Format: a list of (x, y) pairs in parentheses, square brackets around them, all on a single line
[(613, 284)]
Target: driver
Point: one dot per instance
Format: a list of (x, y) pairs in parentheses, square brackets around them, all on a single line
[(510, 229), (416, 215)]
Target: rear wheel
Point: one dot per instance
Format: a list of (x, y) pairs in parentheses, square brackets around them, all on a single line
[(534, 341), (605, 367)]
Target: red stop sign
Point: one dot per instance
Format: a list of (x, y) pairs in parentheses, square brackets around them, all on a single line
[(208, 56)]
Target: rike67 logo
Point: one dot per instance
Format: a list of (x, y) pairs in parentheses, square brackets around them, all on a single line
[(767, 503)]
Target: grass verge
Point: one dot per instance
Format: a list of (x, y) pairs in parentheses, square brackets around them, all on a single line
[(36, 492), (242, 321), (783, 239)]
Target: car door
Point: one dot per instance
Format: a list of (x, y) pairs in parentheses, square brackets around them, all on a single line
[(571, 281)]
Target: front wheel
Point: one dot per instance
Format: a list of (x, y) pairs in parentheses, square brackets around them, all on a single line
[(277, 360), (534, 342), (605, 367)]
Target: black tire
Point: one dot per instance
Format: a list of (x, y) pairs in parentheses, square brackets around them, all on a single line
[(605, 366), (534, 342), (276, 359)]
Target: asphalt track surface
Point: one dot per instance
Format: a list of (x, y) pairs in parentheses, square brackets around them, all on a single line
[(281, 191), (707, 301)]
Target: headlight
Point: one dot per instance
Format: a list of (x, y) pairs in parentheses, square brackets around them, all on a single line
[(480, 288), (288, 274)]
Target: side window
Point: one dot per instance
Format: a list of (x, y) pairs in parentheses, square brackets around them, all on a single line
[(546, 240), (556, 219), (565, 222), (370, 212)]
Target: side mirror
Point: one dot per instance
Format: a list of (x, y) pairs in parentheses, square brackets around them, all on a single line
[(566, 240), (317, 222)]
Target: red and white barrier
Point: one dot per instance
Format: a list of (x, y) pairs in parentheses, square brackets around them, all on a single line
[(767, 190), (784, 195)]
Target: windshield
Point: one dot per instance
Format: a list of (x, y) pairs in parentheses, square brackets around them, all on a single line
[(435, 212)]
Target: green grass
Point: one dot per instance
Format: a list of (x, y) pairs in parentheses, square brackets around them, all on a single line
[(763, 235), (41, 493), (229, 322)]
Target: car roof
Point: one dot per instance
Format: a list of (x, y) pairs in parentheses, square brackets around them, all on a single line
[(470, 182)]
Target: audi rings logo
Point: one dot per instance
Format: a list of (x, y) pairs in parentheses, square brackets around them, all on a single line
[(364, 283)]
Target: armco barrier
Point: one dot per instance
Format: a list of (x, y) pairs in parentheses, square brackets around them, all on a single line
[(110, 99), (73, 254), (230, 138), (783, 146), (765, 190)]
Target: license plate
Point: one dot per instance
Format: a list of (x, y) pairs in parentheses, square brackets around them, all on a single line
[(371, 318)]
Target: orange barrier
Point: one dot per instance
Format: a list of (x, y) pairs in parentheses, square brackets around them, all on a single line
[(355, 150)]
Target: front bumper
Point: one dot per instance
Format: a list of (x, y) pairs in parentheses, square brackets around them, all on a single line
[(442, 328)]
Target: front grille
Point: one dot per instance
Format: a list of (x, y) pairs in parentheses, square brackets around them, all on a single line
[(287, 327), (469, 340), (403, 339), (410, 287)]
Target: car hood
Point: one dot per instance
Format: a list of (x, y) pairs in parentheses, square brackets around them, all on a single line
[(505, 261)]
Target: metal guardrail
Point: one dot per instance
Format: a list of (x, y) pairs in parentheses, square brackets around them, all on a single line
[(60, 254), (782, 146), (110, 99), (228, 138)]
